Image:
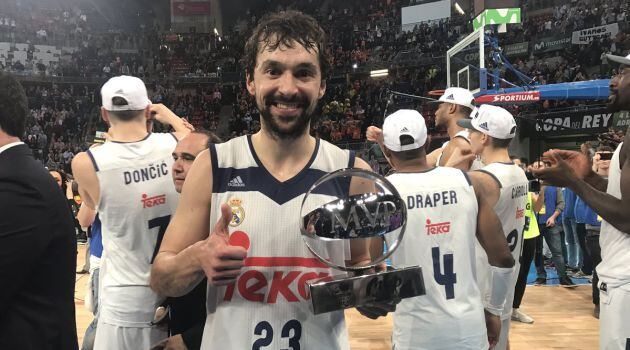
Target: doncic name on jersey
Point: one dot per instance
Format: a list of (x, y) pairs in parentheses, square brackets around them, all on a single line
[(150, 172)]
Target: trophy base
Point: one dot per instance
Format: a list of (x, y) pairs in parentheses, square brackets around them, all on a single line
[(345, 291)]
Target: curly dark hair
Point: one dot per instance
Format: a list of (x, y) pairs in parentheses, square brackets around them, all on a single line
[(13, 106), (283, 28)]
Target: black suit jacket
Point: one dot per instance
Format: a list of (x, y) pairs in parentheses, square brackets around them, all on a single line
[(37, 257)]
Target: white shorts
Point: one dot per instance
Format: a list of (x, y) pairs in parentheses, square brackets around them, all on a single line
[(614, 318), (110, 337), (503, 337)]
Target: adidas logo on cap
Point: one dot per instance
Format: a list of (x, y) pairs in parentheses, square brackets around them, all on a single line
[(236, 182), (450, 97), (484, 126), (404, 129)]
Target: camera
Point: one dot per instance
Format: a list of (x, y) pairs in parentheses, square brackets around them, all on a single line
[(605, 155), (534, 183)]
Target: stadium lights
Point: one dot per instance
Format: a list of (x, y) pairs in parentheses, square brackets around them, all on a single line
[(379, 73), (459, 8), (355, 66)]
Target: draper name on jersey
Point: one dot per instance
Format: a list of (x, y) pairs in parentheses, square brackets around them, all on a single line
[(153, 171), (431, 200)]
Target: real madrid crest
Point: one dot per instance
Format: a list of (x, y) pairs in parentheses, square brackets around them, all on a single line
[(238, 213)]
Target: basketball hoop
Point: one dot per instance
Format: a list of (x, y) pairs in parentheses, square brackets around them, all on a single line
[(436, 92)]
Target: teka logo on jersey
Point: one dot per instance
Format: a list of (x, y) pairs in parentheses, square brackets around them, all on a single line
[(520, 213), (274, 279), (149, 202), (438, 228)]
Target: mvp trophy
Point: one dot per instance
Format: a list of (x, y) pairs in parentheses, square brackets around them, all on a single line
[(353, 220)]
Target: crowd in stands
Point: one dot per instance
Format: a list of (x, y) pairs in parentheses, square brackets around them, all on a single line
[(57, 117), (363, 35)]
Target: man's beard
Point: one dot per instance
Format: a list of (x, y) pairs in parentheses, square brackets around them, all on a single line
[(301, 123), (613, 101)]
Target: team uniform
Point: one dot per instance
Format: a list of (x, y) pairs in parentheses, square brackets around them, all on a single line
[(614, 274), (268, 307), (510, 208), (465, 134), (137, 199), (440, 237)]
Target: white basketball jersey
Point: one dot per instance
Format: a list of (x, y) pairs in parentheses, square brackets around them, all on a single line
[(440, 237), (510, 209), (465, 134), (269, 305), (136, 202), (614, 270)]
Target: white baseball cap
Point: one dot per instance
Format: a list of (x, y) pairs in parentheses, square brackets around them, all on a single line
[(132, 89), (491, 120), (619, 59), (404, 122), (458, 96)]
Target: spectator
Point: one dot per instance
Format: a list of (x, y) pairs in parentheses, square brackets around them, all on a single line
[(37, 242), (551, 232)]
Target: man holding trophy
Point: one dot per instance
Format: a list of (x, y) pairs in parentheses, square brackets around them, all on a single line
[(446, 209), (252, 187)]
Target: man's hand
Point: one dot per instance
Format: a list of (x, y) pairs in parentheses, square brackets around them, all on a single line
[(460, 159), (187, 125), (551, 222), (493, 325), (175, 342), (220, 261), (162, 114), (376, 310), (565, 169), (374, 134), (69, 193)]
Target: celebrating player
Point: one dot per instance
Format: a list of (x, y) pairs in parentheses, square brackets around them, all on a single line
[(127, 181), (252, 187), (446, 209)]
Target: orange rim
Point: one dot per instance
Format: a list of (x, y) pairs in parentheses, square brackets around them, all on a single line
[(436, 92)]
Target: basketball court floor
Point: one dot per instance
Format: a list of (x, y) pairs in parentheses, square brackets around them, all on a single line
[(563, 320)]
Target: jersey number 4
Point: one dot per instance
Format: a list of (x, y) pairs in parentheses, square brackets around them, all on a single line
[(448, 278), (292, 330)]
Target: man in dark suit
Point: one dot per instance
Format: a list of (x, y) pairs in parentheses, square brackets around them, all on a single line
[(37, 241)]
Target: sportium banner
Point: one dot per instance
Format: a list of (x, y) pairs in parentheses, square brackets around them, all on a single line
[(585, 36), (517, 49), (510, 98), (549, 44), (580, 122)]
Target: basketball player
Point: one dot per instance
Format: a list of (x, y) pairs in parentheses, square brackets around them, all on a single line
[(491, 131), (454, 105), (127, 181), (446, 209), (610, 199), (252, 187)]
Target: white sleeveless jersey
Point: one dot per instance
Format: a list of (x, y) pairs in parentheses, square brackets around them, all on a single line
[(136, 201), (510, 209), (465, 134), (440, 237), (614, 270), (269, 305)]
